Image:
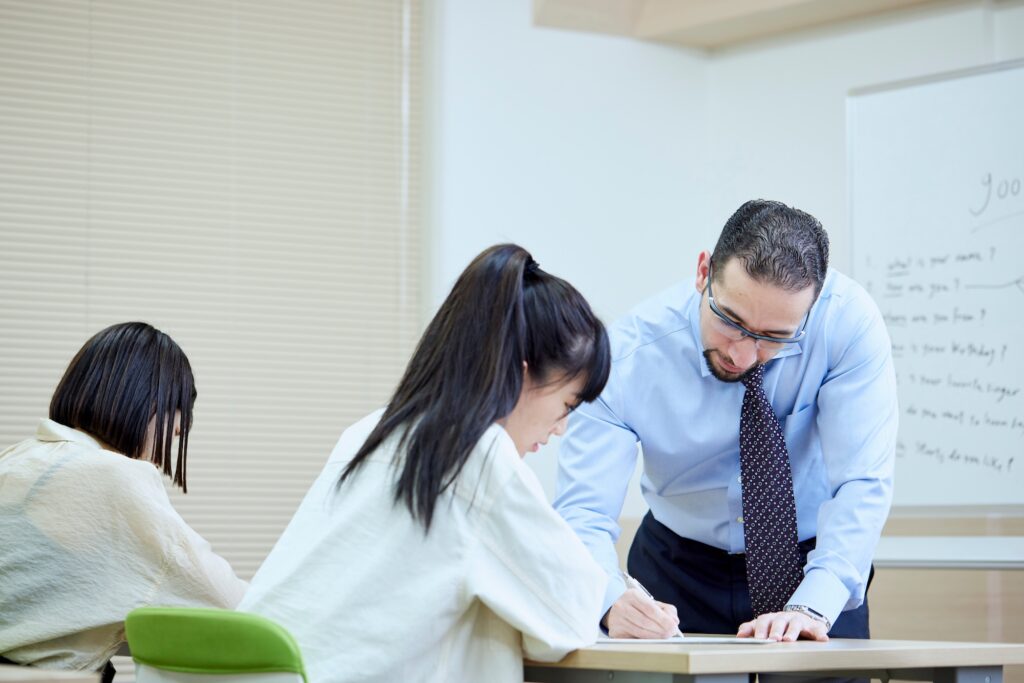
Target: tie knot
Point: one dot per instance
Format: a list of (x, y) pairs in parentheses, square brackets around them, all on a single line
[(754, 378)]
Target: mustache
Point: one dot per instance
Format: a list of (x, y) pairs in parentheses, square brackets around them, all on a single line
[(721, 376)]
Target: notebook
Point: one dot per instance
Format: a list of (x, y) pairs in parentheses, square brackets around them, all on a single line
[(688, 640)]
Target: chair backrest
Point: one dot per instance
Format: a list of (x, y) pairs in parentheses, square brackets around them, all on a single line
[(196, 645)]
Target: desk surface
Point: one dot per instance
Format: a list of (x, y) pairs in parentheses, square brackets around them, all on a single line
[(26, 674), (799, 656)]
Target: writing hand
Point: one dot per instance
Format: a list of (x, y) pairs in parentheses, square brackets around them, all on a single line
[(634, 615)]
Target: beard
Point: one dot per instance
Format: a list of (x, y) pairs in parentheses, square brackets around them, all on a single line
[(722, 375)]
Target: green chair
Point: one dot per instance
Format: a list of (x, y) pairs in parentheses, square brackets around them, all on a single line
[(194, 645)]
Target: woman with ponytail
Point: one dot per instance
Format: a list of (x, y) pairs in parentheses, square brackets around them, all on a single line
[(426, 550)]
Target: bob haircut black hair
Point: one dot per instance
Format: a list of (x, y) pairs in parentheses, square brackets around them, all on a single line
[(120, 380), (467, 370)]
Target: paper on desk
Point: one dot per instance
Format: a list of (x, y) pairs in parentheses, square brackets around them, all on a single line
[(688, 640)]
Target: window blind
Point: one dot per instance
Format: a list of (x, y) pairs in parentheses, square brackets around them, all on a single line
[(244, 176)]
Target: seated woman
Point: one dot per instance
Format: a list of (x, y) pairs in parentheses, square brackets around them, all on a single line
[(88, 530), (426, 550)]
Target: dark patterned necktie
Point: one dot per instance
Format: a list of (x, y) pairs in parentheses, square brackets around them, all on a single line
[(769, 510)]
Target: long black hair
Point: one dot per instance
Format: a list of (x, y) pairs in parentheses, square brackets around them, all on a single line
[(467, 370), (123, 377)]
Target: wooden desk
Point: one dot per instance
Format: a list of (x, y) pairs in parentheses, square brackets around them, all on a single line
[(27, 674), (943, 662)]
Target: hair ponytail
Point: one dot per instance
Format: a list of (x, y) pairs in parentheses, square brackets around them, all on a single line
[(467, 370)]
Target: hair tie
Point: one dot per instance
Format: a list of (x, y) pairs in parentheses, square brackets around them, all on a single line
[(532, 266)]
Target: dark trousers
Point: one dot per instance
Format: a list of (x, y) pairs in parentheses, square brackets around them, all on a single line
[(707, 585), (709, 588), (106, 673)]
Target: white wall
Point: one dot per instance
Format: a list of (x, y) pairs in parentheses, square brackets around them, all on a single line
[(584, 149), (777, 109), (616, 161), (581, 148)]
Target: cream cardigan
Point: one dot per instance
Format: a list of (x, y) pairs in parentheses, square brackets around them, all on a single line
[(370, 597), (88, 535)]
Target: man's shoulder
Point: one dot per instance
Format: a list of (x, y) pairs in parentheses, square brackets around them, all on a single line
[(841, 286), (662, 318), (844, 294), (848, 318)]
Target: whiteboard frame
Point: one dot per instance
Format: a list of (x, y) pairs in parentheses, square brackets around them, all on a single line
[(932, 78), (923, 511)]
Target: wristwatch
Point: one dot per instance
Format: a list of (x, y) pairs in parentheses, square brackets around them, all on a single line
[(813, 614)]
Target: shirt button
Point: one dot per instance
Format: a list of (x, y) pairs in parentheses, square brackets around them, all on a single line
[(740, 520), (739, 479)]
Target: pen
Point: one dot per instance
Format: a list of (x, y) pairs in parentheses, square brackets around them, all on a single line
[(633, 583)]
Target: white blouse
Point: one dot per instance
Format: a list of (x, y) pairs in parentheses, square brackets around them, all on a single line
[(370, 597), (88, 535)]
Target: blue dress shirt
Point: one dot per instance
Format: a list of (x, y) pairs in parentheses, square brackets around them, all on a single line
[(834, 393)]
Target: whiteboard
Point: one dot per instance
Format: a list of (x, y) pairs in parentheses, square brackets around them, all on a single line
[(936, 173)]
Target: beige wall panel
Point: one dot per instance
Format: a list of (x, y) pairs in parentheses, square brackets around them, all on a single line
[(950, 604)]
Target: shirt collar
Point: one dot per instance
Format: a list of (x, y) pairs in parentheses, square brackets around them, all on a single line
[(693, 315), (48, 430)]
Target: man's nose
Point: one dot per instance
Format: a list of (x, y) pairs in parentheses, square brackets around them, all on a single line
[(744, 352)]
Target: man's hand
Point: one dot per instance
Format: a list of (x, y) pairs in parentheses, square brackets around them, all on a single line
[(634, 615), (783, 626)]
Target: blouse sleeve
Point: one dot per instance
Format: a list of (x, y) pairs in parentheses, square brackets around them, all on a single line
[(532, 571), (185, 569)]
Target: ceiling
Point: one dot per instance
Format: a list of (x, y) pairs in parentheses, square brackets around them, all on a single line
[(704, 24)]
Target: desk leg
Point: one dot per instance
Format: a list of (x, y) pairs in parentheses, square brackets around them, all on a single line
[(970, 674), (543, 674)]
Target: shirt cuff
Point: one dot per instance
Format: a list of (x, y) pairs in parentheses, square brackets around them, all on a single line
[(616, 587), (822, 592)]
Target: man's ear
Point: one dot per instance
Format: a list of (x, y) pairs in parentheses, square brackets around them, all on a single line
[(703, 269)]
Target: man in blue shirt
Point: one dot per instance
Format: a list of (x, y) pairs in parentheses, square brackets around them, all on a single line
[(765, 314)]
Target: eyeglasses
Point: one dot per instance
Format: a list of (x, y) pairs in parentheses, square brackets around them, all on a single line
[(731, 329)]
